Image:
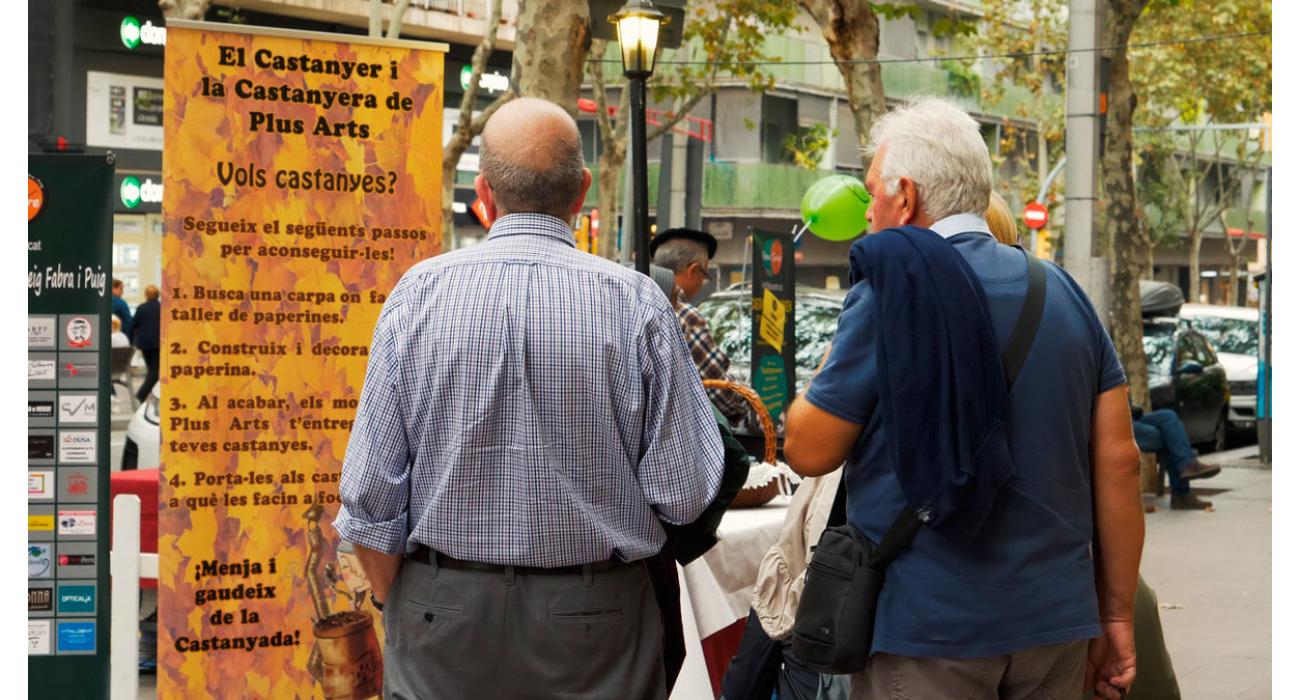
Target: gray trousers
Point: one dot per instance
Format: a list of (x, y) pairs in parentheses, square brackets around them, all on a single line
[(476, 634), (1053, 672)]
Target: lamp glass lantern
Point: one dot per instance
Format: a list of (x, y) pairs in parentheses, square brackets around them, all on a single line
[(638, 24)]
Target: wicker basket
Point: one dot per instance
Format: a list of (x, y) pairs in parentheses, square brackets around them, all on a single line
[(752, 498)]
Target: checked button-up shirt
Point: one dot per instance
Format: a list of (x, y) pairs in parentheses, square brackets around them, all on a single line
[(711, 361), (527, 404)]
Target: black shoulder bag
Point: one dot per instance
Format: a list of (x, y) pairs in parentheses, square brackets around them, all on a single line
[(836, 617)]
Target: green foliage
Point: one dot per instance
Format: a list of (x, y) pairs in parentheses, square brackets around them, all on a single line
[(962, 80), (806, 146), (949, 25), (1223, 81), (1161, 190), (1033, 138), (726, 38), (896, 10), (1205, 82)]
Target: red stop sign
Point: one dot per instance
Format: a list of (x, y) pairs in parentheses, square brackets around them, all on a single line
[(1035, 215)]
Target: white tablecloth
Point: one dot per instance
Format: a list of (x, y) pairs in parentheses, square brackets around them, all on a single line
[(716, 588)]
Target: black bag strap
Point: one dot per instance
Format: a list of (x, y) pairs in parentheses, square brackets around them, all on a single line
[(908, 523), (1031, 314)]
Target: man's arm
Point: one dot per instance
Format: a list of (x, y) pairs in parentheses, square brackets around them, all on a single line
[(1120, 530), (817, 442), (680, 469), (822, 425), (380, 569), (374, 486)]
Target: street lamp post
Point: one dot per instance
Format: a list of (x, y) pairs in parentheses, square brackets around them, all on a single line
[(638, 25)]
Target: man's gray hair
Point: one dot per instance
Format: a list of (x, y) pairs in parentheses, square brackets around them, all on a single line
[(679, 253), (938, 146), (518, 188)]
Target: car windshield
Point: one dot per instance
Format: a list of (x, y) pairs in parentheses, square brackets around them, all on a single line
[(815, 322), (1158, 342), (1231, 335)]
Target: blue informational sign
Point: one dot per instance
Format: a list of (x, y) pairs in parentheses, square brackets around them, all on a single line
[(76, 636)]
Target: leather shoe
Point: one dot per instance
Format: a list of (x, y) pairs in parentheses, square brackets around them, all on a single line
[(1200, 470), (1186, 501)]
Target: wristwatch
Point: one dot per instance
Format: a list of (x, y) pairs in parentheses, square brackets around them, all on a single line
[(375, 602)]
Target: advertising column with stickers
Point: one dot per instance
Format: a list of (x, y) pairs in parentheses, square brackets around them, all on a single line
[(302, 179), (772, 327), (69, 253)]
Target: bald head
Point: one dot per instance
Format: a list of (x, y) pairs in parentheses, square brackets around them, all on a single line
[(531, 160)]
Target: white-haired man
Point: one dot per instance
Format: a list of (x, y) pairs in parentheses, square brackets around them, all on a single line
[(1005, 609)]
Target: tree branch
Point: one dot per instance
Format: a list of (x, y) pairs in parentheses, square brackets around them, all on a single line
[(478, 63), (603, 123), (680, 112), (481, 120), (399, 14)]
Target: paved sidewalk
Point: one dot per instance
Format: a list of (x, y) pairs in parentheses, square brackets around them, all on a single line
[(1212, 572)]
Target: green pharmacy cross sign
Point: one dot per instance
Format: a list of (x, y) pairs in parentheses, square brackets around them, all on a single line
[(132, 192), (133, 33)]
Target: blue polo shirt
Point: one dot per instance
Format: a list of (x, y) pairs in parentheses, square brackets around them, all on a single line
[(1028, 579)]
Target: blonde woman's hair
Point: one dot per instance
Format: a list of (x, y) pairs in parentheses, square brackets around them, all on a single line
[(1001, 222)]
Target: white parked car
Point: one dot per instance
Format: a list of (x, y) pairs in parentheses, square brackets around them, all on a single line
[(144, 434), (1233, 332)]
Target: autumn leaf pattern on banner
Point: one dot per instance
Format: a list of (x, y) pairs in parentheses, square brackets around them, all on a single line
[(286, 223)]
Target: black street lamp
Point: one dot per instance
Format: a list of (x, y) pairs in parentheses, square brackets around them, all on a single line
[(638, 25)]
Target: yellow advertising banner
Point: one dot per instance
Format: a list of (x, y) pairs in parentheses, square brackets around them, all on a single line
[(301, 179)]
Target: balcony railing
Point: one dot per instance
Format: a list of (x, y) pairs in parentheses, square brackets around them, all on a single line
[(756, 186)]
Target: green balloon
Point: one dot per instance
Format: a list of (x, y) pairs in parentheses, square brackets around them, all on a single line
[(835, 207)]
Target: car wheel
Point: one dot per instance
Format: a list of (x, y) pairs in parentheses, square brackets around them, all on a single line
[(1219, 442)]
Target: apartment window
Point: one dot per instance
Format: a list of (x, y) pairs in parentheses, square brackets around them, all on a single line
[(780, 119), (590, 134)]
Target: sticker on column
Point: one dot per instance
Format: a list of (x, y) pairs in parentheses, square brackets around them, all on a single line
[(40, 485), (79, 333), (76, 598), (76, 636), (78, 409), (77, 523), (40, 332), (77, 446), (38, 637), (39, 557), (40, 448), (40, 600)]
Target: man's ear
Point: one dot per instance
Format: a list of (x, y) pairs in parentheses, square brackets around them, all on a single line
[(911, 204), (484, 192), (582, 197)]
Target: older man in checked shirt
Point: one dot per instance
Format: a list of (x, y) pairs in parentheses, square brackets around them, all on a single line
[(529, 416), (687, 253)]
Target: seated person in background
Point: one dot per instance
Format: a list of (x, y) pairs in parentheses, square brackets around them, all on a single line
[(1162, 432), (119, 338)]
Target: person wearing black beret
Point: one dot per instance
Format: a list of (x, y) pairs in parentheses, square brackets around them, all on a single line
[(687, 253)]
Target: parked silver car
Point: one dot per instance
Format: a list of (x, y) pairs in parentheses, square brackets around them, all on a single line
[(1233, 332)]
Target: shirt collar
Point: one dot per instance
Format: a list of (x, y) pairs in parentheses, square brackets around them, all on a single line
[(533, 224), (950, 226)]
